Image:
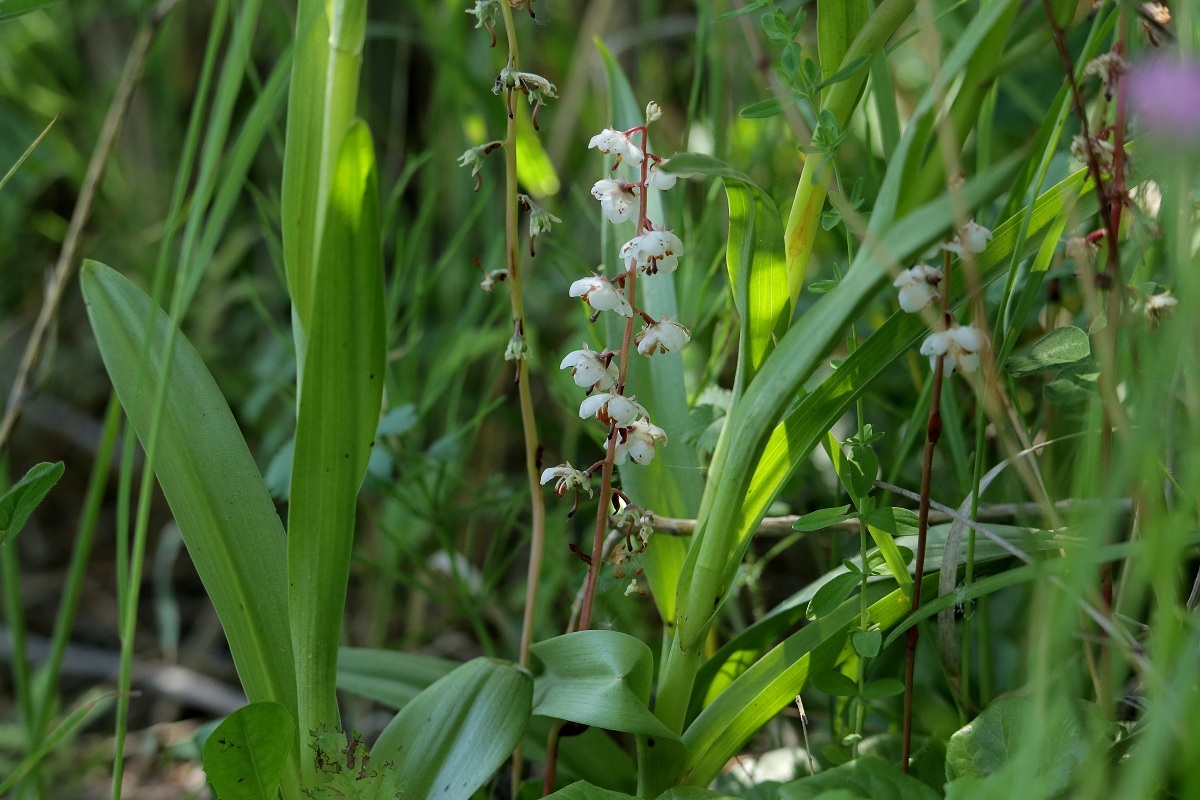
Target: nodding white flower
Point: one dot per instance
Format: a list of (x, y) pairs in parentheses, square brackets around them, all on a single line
[(1102, 150), (611, 141), (970, 238), (589, 369), (617, 199), (918, 287), (960, 345), (1107, 67), (601, 295), (537, 87), (490, 279), (609, 407), (653, 112), (664, 336), (568, 478), (540, 220), (633, 589), (638, 442), (1081, 251), (653, 251), (1160, 306), (657, 179), (516, 349)]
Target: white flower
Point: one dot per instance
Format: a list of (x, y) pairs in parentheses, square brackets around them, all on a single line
[(1081, 251), (1107, 67), (653, 251), (609, 407), (568, 478), (633, 589), (970, 238), (653, 112), (638, 441), (516, 349), (589, 370), (1102, 150), (960, 345), (617, 199), (601, 295), (612, 141), (664, 336), (918, 287), (490, 279), (1160, 306)]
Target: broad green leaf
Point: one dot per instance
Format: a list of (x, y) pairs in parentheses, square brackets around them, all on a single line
[(834, 683), (220, 503), (449, 740), (832, 594), (1065, 734), (823, 518), (896, 521), (15, 8), (600, 678), (865, 777), (394, 679), (582, 790), (884, 687), (20, 501), (1058, 348), (867, 643), (859, 469), (337, 414), (754, 257), (244, 757), (1073, 384)]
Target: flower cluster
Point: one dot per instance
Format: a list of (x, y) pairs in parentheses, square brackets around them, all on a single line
[(652, 251), (920, 286)]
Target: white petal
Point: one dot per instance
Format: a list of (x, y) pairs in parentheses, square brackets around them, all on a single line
[(969, 338), (592, 404), (936, 344)]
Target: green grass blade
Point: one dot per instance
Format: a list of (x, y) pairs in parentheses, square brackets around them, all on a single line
[(15, 8), (227, 518), (338, 412)]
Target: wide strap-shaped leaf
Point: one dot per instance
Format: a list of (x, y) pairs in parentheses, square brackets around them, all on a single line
[(450, 739), (755, 260), (337, 416), (863, 777), (224, 512), (324, 92)]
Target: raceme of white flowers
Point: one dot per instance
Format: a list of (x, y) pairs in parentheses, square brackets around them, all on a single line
[(652, 251), (919, 287)]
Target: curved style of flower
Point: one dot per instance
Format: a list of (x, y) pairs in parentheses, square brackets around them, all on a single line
[(568, 478), (599, 293), (918, 287), (618, 200), (609, 407), (637, 442), (959, 344), (664, 336), (652, 251), (611, 141), (970, 238), (589, 369)]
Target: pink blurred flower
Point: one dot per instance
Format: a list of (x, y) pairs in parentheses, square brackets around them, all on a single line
[(1165, 92)]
